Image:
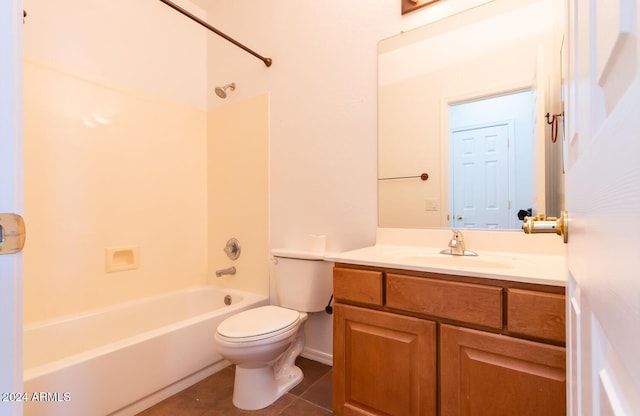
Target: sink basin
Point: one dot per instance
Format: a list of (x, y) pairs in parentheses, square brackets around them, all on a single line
[(452, 261)]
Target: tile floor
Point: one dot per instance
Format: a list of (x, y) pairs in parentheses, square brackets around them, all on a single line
[(212, 396)]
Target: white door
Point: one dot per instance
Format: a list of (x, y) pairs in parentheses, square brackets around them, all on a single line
[(603, 201), (480, 177), (10, 201)]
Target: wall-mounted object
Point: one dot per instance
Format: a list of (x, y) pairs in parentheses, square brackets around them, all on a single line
[(554, 125), (222, 91), (229, 270), (423, 176), (232, 248), (118, 259), (267, 61), (411, 5)]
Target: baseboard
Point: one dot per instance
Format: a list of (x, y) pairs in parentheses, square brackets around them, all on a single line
[(317, 355)]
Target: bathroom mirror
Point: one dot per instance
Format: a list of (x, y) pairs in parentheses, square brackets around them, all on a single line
[(463, 141)]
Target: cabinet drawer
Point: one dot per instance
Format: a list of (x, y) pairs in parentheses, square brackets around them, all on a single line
[(464, 302), (536, 314), (362, 286)]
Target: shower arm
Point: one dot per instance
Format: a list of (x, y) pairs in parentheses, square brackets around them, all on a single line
[(267, 61)]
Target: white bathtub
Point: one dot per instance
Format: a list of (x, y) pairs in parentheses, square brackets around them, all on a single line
[(123, 359)]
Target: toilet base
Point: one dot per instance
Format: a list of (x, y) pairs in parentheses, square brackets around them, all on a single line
[(257, 388)]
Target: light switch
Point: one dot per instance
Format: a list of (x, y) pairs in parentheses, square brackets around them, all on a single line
[(432, 204)]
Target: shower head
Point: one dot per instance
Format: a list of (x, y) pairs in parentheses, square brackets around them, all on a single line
[(222, 91)]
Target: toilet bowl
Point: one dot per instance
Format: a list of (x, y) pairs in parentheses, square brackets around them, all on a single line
[(264, 342), (264, 355)]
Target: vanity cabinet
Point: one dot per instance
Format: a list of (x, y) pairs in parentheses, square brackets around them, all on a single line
[(420, 343), (384, 363)]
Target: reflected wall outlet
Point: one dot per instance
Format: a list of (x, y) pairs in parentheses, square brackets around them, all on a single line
[(118, 259), (432, 204)]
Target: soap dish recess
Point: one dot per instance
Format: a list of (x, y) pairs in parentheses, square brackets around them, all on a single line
[(119, 259)]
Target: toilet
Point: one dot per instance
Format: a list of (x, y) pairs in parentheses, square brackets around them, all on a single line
[(264, 342)]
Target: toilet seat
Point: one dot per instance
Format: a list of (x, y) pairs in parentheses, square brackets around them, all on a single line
[(258, 323)]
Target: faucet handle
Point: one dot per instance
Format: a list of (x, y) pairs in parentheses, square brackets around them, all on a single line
[(232, 249)]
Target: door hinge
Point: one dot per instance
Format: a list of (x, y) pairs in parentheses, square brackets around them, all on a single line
[(12, 233)]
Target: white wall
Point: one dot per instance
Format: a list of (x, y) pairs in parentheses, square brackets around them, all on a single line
[(114, 152), (323, 110), (323, 107)]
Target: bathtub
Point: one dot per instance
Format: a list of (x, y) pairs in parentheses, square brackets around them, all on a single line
[(123, 359)]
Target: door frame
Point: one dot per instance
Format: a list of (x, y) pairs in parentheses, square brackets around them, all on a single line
[(445, 131), (11, 201)]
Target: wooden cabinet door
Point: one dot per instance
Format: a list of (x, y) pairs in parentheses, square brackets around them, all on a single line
[(484, 374), (383, 364)]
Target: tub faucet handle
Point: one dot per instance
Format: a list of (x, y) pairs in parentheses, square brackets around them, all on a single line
[(232, 249)]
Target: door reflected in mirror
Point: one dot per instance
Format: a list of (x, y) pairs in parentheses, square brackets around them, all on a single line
[(491, 142), (426, 76)]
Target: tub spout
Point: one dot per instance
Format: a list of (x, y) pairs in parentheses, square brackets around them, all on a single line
[(230, 270)]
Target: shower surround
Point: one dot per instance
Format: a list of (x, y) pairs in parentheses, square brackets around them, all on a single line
[(115, 126), (119, 144)]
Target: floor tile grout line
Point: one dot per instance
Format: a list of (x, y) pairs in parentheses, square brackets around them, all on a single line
[(310, 387), (289, 405), (307, 401), (313, 384)]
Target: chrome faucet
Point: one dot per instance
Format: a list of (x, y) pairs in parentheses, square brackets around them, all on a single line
[(230, 270), (457, 246)]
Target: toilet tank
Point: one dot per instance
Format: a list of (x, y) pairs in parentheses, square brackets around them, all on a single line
[(304, 281)]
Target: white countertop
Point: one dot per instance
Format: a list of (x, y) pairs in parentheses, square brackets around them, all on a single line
[(543, 269)]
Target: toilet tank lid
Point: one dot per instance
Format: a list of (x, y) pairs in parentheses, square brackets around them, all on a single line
[(298, 254)]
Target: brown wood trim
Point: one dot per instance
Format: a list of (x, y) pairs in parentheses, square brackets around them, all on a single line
[(504, 283)]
